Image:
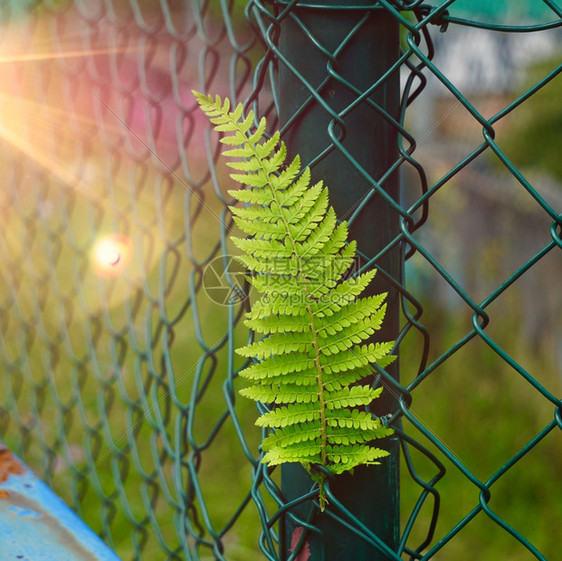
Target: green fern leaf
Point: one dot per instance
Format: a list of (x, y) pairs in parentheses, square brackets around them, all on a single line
[(303, 453), (312, 364), (346, 458), (294, 192), (281, 343), (280, 324), (293, 434), (289, 393), (292, 414), (351, 314), (277, 366)]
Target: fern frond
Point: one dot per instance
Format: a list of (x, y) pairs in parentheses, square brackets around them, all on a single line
[(263, 229), (350, 314), (349, 397), (318, 237), (288, 393), (293, 434), (286, 177), (353, 418), (308, 377), (280, 324), (281, 343), (277, 366), (251, 214), (250, 179), (278, 305), (317, 354), (309, 209), (358, 356), (292, 414), (346, 458), (303, 378), (282, 266), (252, 196), (345, 292), (354, 435), (263, 151), (302, 453), (262, 248), (294, 192), (354, 334)]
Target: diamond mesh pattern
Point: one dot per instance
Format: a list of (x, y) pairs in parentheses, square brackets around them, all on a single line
[(119, 306)]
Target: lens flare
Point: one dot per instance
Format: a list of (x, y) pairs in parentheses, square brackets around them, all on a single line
[(111, 255)]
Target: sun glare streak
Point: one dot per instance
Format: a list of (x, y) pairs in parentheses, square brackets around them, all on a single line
[(21, 144), (12, 105), (32, 57), (28, 126)]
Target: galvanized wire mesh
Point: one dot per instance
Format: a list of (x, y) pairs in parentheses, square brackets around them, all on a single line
[(118, 324)]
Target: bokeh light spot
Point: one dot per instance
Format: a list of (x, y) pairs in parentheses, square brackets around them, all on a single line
[(111, 254)]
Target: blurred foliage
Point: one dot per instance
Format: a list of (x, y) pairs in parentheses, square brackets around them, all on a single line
[(484, 412), (534, 135)]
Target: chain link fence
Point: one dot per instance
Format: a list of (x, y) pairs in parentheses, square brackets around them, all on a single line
[(120, 309)]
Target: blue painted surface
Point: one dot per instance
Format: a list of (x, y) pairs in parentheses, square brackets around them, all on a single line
[(36, 525)]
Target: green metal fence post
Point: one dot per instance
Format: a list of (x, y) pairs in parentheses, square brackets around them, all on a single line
[(335, 49)]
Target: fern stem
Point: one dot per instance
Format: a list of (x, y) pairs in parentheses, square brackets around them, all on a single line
[(320, 382), (307, 295), (322, 403)]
